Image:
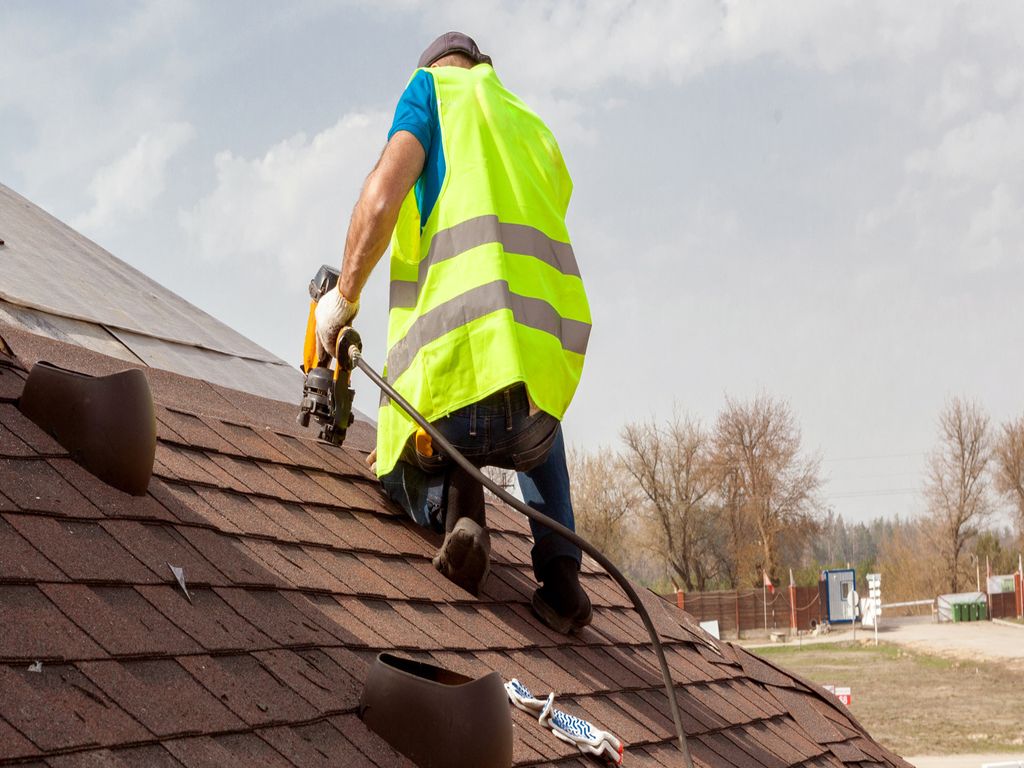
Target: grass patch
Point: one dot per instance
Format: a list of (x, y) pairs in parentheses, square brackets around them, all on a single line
[(918, 703)]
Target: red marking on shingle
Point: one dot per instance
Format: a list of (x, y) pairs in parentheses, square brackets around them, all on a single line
[(232, 558), (245, 686), (20, 561), (33, 485), (59, 708), (242, 514), (162, 696), (316, 677), (207, 618), (110, 501), (84, 551), (159, 545), (294, 565), (119, 619), (318, 745), (28, 432)]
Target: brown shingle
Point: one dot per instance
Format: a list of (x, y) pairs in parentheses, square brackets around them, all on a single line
[(34, 486), (59, 708), (316, 677), (162, 696), (275, 616), (207, 618), (244, 685), (243, 749), (35, 628), (120, 620), (158, 546), (84, 551), (317, 745), (20, 561)]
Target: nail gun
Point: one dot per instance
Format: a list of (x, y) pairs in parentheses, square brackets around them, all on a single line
[(327, 394)]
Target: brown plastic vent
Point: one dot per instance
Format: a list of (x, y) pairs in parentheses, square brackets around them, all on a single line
[(438, 718), (107, 423)]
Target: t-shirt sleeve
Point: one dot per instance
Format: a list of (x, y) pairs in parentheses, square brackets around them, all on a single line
[(416, 110)]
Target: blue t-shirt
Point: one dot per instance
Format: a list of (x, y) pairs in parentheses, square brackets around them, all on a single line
[(417, 113)]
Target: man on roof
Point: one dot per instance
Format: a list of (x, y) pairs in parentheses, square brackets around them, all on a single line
[(488, 321)]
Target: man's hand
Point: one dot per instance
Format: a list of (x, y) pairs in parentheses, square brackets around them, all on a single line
[(333, 312)]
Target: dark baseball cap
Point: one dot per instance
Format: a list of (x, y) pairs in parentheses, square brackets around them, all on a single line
[(452, 42)]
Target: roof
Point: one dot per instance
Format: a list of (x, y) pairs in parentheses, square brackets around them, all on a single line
[(300, 572), (62, 285)]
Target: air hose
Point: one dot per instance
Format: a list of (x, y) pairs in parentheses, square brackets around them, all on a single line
[(355, 354)]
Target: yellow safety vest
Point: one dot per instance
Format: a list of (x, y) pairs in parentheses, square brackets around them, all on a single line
[(487, 293)]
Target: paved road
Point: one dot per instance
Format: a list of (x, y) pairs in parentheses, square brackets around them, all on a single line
[(966, 761), (968, 640), (971, 640)]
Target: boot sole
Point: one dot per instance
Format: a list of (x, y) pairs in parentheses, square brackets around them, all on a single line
[(464, 557), (562, 624)]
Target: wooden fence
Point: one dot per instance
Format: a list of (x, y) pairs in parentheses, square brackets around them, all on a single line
[(745, 609)]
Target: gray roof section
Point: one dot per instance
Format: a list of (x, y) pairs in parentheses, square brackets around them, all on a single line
[(97, 301)]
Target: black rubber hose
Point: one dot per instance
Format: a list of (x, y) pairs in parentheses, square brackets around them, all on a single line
[(558, 528)]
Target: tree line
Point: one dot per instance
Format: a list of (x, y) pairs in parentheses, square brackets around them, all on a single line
[(678, 504)]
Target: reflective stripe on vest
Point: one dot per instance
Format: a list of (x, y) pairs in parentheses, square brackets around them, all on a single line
[(514, 238)]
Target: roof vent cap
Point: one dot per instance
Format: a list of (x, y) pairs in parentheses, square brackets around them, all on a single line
[(438, 718), (107, 423)]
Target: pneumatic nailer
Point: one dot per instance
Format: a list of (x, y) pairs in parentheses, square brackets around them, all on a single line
[(327, 394)]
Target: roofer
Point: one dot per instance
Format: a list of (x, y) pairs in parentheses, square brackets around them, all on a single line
[(488, 320)]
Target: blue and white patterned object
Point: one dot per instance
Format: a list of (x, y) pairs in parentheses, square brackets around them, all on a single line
[(568, 728), (573, 726)]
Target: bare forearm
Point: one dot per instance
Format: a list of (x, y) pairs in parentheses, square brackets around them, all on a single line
[(368, 234), (377, 210)]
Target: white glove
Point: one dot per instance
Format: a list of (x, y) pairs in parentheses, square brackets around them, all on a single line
[(333, 312)]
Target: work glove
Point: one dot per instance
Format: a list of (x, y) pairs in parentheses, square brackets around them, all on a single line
[(371, 461), (333, 312)]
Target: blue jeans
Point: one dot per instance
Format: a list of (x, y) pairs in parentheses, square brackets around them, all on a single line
[(498, 431)]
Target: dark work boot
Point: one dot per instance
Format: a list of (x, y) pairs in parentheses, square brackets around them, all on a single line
[(561, 602), (465, 555)]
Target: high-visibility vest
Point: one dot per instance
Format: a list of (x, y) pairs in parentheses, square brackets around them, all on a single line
[(487, 293)]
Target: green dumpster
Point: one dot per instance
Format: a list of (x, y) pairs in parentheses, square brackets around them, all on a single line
[(983, 611), (956, 612), (975, 611)]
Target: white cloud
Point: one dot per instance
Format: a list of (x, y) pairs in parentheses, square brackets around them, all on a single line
[(131, 184), (289, 206)]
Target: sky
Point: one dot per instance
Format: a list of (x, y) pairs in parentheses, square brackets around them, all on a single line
[(821, 200)]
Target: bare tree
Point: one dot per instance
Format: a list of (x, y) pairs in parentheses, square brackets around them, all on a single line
[(956, 487), (770, 484), (1009, 467), (603, 499), (670, 466)]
